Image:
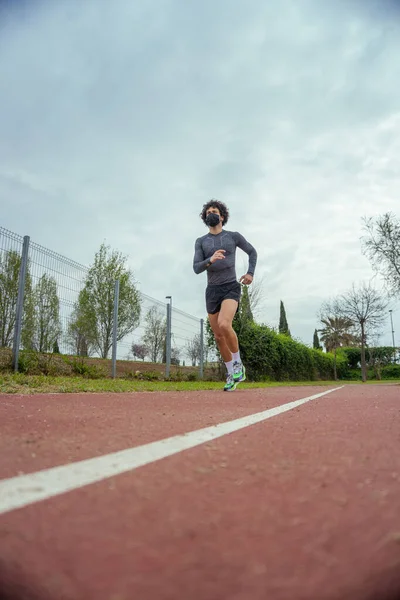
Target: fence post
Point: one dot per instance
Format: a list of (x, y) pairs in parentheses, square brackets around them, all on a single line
[(201, 348), (20, 302), (115, 330), (168, 338)]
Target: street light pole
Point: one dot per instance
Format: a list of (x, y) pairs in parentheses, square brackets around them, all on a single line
[(394, 347), (168, 337)]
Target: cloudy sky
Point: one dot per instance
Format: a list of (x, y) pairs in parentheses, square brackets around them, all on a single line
[(118, 120)]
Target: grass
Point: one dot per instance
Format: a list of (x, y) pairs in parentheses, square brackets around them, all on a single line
[(19, 383)]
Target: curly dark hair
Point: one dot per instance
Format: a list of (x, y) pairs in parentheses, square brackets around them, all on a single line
[(223, 209)]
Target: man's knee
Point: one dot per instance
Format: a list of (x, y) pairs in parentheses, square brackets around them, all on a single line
[(225, 326)]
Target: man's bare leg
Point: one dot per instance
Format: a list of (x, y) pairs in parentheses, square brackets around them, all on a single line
[(222, 344), (225, 318), (227, 342), (225, 335)]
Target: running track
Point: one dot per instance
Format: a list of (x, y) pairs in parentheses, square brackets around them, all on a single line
[(304, 504)]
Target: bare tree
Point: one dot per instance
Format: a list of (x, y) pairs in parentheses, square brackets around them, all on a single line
[(250, 305), (155, 333), (175, 355), (381, 245), (375, 359), (366, 307), (256, 297), (193, 349)]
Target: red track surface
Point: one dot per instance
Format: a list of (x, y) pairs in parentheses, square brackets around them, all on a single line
[(305, 505)]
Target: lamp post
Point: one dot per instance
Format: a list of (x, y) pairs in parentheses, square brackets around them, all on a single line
[(168, 337), (391, 322)]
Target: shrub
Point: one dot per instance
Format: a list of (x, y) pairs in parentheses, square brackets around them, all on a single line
[(149, 376), (142, 375), (5, 359), (381, 354), (272, 356), (28, 362), (80, 367), (35, 363), (390, 372), (192, 376), (130, 375), (353, 375)]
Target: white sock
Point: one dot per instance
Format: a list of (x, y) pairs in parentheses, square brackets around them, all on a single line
[(236, 356), (229, 366)]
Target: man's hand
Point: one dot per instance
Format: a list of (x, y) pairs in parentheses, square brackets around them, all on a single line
[(218, 255), (246, 279)]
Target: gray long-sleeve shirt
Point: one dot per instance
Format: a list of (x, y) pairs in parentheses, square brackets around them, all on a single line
[(222, 271)]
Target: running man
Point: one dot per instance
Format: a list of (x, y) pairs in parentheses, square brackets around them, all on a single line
[(215, 253)]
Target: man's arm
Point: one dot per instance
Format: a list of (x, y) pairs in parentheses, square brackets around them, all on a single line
[(244, 245), (200, 263)]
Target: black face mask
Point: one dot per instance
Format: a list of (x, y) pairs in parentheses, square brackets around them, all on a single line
[(212, 219)]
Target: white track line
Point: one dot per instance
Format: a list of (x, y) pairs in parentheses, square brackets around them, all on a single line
[(26, 489)]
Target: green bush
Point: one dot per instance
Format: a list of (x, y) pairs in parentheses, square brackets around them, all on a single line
[(180, 375), (352, 375), (5, 359), (149, 376), (28, 362), (192, 376), (272, 356), (383, 354), (31, 362), (80, 367), (390, 372), (176, 376), (130, 375)]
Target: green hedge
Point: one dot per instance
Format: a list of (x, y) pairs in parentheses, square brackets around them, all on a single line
[(383, 353), (272, 356), (388, 372)]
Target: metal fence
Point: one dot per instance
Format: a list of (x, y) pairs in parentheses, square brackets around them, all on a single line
[(39, 309)]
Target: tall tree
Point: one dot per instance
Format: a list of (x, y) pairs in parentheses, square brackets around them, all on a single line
[(96, 301), (155, 333), (80, 335), (44, 327), (283, 324), (366, 307), (244, 315), (316, 343), (10, 264), (381, 245)]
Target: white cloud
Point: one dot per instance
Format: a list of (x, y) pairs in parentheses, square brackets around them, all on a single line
[(118, 121)]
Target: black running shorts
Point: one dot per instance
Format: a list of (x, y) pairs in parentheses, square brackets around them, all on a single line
[(216, 294)]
